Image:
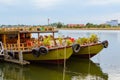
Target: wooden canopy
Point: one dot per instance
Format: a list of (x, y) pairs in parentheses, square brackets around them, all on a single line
[(16, 32)]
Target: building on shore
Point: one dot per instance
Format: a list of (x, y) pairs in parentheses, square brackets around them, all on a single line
[(112, 22), (75, 25)]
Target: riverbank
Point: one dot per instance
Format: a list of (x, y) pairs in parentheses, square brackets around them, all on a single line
[(88, 28)]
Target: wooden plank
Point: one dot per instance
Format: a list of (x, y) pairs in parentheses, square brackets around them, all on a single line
[(9, 32), (38, 31), (17, 61)]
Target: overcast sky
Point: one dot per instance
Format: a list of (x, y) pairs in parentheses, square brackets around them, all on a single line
[(66, 11)]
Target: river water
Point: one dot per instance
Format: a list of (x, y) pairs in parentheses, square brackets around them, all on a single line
[(103, 66)]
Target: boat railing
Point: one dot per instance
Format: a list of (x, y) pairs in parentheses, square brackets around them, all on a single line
[(15, 47)]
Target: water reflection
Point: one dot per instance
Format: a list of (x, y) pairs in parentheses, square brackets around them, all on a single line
[(83, 69), (76, 69)]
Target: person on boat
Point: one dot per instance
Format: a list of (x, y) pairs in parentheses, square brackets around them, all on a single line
[(22, 35), (29, 42), (41, 38)]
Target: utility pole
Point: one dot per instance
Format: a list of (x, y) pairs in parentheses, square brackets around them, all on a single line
[(48, 21)]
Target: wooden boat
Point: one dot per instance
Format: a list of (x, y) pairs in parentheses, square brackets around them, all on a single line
[(90, 50), (19, 39)]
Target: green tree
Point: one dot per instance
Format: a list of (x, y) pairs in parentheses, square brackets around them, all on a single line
[(53, 24), (90, 25), (59, 25)]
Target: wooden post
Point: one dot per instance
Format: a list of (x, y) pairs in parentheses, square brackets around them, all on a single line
[(20, 57), (20, 61), (54, 39), (18, 41), (6, 54), (53, 34), (19, 52), (38, 38), (4, 40)]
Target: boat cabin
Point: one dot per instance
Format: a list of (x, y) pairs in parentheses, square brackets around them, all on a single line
[(21, 38)]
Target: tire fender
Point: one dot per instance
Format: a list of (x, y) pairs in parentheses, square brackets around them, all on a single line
[(105, 44), (76, 48), (43, 50), (35, 52)]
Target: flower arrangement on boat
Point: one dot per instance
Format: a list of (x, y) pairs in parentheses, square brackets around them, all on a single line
[(84, 40)]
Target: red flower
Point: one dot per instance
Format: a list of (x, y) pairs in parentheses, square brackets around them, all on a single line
[(72, 39)]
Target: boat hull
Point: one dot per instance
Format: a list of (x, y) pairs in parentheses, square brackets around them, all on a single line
[(57, 55), (89, 51)]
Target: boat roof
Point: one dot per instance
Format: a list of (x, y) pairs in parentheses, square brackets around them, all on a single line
[(26, 30)]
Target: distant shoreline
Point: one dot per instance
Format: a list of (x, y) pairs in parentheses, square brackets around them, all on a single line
[(88, 28)]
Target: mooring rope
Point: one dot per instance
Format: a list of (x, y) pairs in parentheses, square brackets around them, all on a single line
[(57, 62), (64, 68), (89, 59)]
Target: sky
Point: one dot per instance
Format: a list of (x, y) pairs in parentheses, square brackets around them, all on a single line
[(37, 12)]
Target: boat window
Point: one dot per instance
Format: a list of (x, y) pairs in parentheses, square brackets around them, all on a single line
[(11, 38), (25, 35)]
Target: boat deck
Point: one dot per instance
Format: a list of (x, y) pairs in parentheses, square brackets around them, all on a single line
[(20, 60)]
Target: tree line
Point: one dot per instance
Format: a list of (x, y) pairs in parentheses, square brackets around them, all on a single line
[(62, 25), (88, 25)]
